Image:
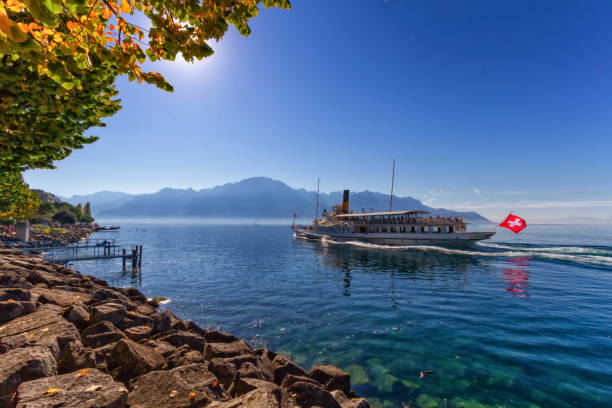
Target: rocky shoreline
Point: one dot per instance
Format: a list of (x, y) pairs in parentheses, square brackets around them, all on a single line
[(71, 340)]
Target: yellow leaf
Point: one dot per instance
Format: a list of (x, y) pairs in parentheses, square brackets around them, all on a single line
[(126, 7), (173, 393), (192, 395), (82, 372), (10, 301), (52, 390), (11, 29), (106, 14)]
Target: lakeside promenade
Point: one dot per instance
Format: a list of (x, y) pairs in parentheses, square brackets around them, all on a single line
[(73, 340)]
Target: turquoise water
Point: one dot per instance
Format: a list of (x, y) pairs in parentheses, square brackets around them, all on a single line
[(519, 321)]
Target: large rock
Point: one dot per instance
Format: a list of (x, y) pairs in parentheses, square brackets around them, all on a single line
[(15, 302), (134, 318), (138, 333), (43, 328), (77, 315), (23, 364), (346, 402), (60, 297), (88, 388), (136, 359), (15, 294), (107, 312), (258, 398), (291, 379), (226, 369), (166, 321), (187, 386), (101, 334), (332, 378), (10, 310), (224, 350), (214, 336), (135, 294), (50, 279), (283, 366), (181, 338), (307, 395), (245, 385), (165, 349), (185, 356)]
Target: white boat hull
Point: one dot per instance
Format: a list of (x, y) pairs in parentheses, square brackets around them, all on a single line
[(399, 239)]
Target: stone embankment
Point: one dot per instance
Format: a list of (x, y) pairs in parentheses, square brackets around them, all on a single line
[(70, 340), (63, 237)]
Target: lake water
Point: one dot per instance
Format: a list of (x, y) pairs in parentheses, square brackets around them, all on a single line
[(519, 321)]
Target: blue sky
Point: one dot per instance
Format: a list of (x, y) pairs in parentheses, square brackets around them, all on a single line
[(494, 106)]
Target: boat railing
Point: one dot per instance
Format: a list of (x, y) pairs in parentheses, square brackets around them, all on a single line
[(413, 221)]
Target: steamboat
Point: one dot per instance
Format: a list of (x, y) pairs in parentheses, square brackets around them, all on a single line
[(389, 228)]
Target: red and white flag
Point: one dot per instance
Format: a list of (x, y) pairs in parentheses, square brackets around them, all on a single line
[(514, 223)]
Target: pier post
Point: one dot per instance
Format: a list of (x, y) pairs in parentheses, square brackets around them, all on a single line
[(139, 257), (123, 259), (134, 255)]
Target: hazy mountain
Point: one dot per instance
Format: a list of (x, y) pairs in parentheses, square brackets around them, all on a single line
[(101, 201), (252, 197)]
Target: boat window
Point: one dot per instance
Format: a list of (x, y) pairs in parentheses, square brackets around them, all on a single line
[(384, 229), (424, 229), (412, 229), (451, 229), (402, 229), (393, 229)]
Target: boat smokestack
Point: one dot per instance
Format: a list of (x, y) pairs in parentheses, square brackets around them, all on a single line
[(345, 202)]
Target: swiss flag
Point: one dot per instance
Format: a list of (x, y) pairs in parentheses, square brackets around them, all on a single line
[(514, 223)]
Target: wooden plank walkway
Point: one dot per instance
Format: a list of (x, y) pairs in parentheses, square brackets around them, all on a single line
[(73, 253)]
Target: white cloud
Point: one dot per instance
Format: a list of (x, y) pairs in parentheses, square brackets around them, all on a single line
[(476, 191)]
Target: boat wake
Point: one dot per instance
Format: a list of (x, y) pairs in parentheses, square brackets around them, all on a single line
[(594, 256)]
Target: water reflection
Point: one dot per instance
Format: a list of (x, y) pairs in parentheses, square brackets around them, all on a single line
[(446, 271), (517, 277)]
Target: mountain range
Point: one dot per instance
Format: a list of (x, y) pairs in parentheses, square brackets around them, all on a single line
[(251, 197)]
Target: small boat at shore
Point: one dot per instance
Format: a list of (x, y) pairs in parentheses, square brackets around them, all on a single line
[(390, 228)]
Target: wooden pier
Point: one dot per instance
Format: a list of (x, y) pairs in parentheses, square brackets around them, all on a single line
[(90, 250)]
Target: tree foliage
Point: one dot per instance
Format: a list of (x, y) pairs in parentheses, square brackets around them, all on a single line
[(65, 217), (59, 60), (47, 210), (87, 209), (17, 201)]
